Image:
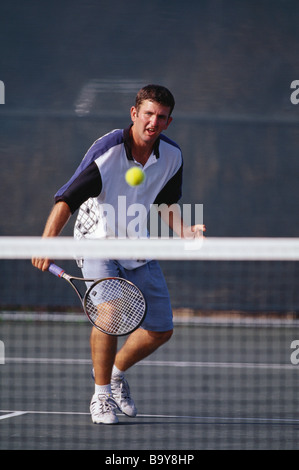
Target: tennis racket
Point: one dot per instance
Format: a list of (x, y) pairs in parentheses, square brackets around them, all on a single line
[(113, 305)]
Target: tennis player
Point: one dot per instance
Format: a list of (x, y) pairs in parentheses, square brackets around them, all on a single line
[(98, 184)]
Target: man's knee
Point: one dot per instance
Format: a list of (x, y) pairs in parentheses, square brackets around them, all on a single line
[(161, 336)]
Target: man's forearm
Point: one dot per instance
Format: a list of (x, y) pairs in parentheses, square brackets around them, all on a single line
[(57, 220), (171, 215)]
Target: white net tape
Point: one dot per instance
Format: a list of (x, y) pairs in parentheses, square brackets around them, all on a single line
[(285, 249)]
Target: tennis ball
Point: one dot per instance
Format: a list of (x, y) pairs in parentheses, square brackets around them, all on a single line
[(135, 176)]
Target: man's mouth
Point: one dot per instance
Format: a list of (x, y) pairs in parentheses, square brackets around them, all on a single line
[(151, 130)]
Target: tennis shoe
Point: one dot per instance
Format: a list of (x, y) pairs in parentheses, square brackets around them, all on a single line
[(121, 394), (102, 409)]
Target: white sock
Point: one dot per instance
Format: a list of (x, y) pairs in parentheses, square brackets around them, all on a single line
[(116, 373), (103, 389)]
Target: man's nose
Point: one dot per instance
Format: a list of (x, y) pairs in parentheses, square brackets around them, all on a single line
[(154, 120)]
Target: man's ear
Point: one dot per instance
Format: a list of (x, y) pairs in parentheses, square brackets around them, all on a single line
[(168, 122), (133, 113)]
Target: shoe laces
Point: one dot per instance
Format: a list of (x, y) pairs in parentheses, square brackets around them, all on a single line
[(105, 404), (120, 387)]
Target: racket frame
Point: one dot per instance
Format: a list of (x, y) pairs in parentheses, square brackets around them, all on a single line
[(59, 272), (98, 281)]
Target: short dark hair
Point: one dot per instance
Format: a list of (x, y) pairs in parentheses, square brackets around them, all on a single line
[(157, 93)]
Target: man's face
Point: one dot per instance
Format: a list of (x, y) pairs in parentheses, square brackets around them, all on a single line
[(149, 121)]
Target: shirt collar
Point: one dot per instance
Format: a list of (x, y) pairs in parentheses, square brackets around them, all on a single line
[(128, 145)]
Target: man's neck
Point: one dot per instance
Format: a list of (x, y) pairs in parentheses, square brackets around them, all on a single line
[(141, 154), (141, 151)]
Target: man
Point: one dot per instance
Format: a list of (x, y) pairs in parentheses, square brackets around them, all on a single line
[(98, 182)]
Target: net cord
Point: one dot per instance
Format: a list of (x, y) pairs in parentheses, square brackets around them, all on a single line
[(262, 249)]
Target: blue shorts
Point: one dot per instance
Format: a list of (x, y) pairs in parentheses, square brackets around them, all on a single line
[(149, 279)]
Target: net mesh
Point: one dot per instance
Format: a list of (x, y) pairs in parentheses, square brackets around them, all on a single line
[(227, 379)]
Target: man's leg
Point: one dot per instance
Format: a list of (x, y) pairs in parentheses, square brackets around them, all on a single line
[(103, 350), (102, 405), (140, 344)]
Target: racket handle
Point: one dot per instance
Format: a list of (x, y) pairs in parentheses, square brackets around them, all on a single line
[(56, 270)]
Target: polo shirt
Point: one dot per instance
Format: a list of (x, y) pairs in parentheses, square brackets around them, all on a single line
[(108, 206)]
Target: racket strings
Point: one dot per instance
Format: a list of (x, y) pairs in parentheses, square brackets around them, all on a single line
[(115, 306)]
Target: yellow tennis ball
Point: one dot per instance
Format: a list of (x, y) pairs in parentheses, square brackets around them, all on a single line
[(135, 176)]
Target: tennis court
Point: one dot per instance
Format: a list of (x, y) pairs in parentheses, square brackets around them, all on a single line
[(211, 387), (228, 378), (225, 380)]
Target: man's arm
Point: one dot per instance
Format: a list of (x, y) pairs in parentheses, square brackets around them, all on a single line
[(171, 215), (57, 220)]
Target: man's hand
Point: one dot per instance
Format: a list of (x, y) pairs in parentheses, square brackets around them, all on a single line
[(193, 232), (41, 263)]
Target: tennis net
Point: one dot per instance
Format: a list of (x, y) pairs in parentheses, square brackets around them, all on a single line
[(227, 378)]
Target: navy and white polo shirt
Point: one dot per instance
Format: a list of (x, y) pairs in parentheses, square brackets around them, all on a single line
[(108, 206)]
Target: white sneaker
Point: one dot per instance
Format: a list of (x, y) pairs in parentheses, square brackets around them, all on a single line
[(102, 409), (121, 394)]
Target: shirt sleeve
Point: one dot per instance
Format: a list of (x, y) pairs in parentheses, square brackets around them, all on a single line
[(82, 186), (172, 191)]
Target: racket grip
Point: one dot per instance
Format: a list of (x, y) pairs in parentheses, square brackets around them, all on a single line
[(56, 270)]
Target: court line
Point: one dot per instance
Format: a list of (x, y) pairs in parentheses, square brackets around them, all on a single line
[(199, 364), (178, 320), (237, 365), (253, 420), (12, 414)]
